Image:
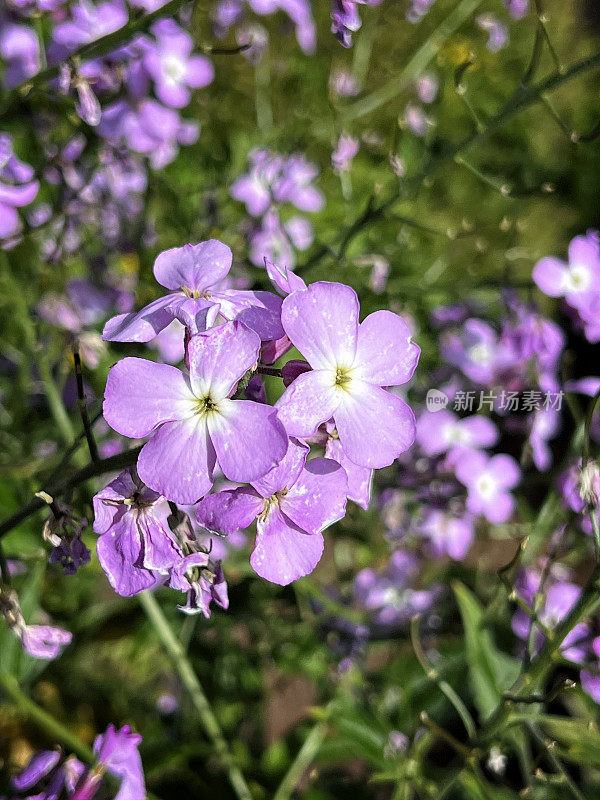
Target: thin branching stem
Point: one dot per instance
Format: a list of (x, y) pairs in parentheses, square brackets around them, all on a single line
[(188, 677)]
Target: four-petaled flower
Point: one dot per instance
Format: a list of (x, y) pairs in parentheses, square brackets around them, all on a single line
[(350, 365), (292, 504), (192, 420)]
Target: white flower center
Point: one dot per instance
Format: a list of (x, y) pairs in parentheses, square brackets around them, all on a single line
[(174, 68), (578, 278), (480, 354), (486, 486)]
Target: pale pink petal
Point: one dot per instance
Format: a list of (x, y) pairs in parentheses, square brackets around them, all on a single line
[(318, 498), (219, 357), (197, 267), (229, 511)]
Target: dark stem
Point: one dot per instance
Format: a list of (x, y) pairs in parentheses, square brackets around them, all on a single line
[(82, 403), (4, 570), (58, 488), (276, 373)]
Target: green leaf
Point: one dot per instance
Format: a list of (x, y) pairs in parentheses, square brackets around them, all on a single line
[(491, 671)]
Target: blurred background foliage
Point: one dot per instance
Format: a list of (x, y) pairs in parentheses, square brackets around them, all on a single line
[(270, 665)]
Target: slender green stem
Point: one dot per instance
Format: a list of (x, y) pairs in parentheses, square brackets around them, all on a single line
[(306, 754), (554, 760), (25, 323), (525, 96), (54, 729), (199, 700), (58, 488), (443, 685), (417, 64)]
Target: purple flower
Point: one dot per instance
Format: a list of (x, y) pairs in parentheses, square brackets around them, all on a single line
[(418, 9), (44, 641), (292, 504), (442, 431), (389, 595), (577, 280), (20, 49), (40, 641), (341, 158), (202, 580), (277, 179), (192, 420), (147, 127), (558, 598), (117, 751), (47, 769), (415, 119), (517, 8), (497, 31), (89, 22), (350, 365), (427, 87), (17, 187), (446, 533), (135, 543), (194, 274), (488, 481), (172, 67), (477, 351), (343, 83)]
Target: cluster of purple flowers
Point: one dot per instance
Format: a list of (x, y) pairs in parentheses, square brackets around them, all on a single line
[(213, 420), (162, 61), (48, 775), (233, 13), (273, 182)]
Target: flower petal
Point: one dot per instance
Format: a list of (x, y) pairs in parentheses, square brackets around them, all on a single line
[(140, 395), (229, 511), (248, 438), (359, 479), (385, 353), (310, 400), (197, 267), (220, 357), (143, 325), (322, 322), (549, 274), (260, 311), (318, 498), (282, 553), (120, 556), (374, 426), (286, 472), (179, 461)]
